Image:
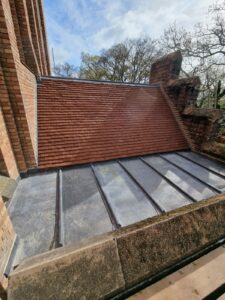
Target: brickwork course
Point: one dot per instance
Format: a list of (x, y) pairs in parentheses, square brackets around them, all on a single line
[(23, 58), (49, 123), (202, 125), (106, 120)]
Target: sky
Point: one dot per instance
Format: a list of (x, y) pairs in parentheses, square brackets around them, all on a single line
[(75, 26)]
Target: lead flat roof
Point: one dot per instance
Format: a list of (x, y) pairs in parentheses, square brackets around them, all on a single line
[(67, 205)]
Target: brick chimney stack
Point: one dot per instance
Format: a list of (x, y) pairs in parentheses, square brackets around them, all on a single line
[(202, 124), (166, 68), (182, 91)]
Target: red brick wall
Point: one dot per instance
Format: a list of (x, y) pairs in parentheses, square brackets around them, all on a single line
[(26, 37), (166, 68), (6, 150), (23, 57), (197, 128), (14, 100), (3, 168), (183, 92), (30, 35), (11, 123), (32, 42), (28, 88), (202, 125), (38, 35), (17, 30), (34, 32), (7, 237)]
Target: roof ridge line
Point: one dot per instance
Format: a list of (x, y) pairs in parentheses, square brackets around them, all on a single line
[(98, 81)]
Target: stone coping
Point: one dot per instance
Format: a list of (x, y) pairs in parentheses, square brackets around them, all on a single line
[(101, 267)]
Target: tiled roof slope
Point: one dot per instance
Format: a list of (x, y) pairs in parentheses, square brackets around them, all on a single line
[(80, 122)]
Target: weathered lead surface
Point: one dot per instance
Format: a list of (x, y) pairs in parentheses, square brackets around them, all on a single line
[(32, 211), (131, 188), (102, 267), (158, 189), (84, 212), (210, 164), (182, 180), (128, 202), (198, 171)]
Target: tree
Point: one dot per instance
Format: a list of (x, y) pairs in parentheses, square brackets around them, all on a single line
[(65, 70), (129, 61), (203, 50), (91, 68)]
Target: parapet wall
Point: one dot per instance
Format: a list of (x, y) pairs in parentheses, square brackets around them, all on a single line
[(102, 267), (202, 124)]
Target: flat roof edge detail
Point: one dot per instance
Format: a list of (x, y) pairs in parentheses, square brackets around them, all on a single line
[(121, 259), (99, 81)]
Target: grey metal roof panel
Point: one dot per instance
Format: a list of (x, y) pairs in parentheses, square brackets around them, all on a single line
[(101, 197), (32, 211), (191, 186), (128, 202), (199, 172), (156, 186), (207, 163), (84, 212)]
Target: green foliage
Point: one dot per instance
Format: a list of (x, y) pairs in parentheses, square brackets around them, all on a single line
[(65, 70), (90, 68), (129, 61), (203, 51)]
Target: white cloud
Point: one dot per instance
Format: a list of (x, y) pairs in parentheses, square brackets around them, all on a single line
[(90, 25), (150, 18)]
